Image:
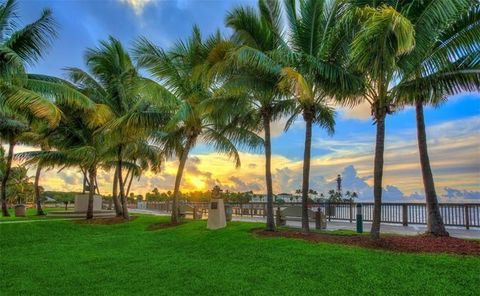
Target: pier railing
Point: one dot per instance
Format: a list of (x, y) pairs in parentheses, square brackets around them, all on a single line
[(454, 214)]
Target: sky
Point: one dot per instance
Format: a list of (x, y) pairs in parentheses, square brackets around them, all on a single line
[(453, 129)]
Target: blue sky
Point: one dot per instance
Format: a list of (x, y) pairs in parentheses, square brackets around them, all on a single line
[(453, 127)]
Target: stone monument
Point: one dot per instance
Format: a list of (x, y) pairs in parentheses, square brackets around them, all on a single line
[(81, 203), (216, 211)]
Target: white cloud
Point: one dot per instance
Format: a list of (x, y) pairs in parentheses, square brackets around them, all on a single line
[(362, 111), (453, 147), (137, 5)]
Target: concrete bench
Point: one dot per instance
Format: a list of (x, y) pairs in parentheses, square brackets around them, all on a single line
[(294, 213)]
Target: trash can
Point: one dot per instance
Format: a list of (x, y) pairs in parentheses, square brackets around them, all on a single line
[(228, 212), (20, 211)]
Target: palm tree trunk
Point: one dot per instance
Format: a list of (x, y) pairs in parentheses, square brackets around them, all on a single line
[(129, 184), (178, 180), (96, 186), (38, 201), (377, 177), (306, 172), (435, 224), (268, 174), (84, 181), (121, 184), (3, 192), (91, 192), (116, 203)]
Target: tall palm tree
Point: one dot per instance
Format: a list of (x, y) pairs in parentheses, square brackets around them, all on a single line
[(113, 80), (192, 121), (450, 64), (22, 94), (315, 71), (257, 34), (376, 48), (11, 126), (390, 39), (80, 142), (38, 135)]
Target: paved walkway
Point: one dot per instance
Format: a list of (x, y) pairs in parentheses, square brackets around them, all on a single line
[(335, 225)]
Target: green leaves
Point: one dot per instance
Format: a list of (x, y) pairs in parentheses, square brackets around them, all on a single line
[(445, 61), (30, 42), (385, 35)]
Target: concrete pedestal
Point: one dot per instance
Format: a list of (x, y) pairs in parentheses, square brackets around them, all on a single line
[(216, 214), (81, 203)]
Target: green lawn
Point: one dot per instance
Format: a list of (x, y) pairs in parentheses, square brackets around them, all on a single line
[(31, 214), (64, 258)]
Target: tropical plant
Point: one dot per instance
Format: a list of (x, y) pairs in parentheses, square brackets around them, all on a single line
[(445, 62), (376, 49), (38, 135), (19, 187), (192, 121), (315, 71), (11, 126), (113, 82), (80, 142), (390, 42), (256, 37), (24, 96)]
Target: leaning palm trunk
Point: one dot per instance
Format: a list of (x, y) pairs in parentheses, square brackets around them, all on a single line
[(121, 185), (435, 224), (3, 192), (37, 191), (306, 171), (377, 177), (178, 180), (268, 174), (129, 183), (91, 192), (116, 203)]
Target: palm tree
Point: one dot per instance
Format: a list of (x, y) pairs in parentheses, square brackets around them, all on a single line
[(315, 72), (38, 135), (257, 34), (390, 42), (376, 48), (23, 95), (448, 65), (80, 142), (11, 126), (113, 81), (192, 121)]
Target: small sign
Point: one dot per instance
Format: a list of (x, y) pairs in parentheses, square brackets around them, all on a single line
[(214, 205)]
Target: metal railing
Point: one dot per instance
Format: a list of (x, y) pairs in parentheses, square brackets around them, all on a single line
[(454, 214)]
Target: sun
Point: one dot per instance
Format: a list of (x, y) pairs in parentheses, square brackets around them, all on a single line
[(197, 182)]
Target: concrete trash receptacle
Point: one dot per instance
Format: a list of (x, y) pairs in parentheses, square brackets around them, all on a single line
[(20, 211)]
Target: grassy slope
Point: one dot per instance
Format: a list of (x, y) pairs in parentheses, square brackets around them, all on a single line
[(63, 258)]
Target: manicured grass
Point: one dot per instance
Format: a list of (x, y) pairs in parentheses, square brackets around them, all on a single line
[(31, 214), (65, 258)]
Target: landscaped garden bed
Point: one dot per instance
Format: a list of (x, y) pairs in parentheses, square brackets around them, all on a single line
[(397, 243)]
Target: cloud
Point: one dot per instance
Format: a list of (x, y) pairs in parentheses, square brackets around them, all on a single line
[(244, 186), (452, 194), (453, 152), (362, 111), (137, 5)]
